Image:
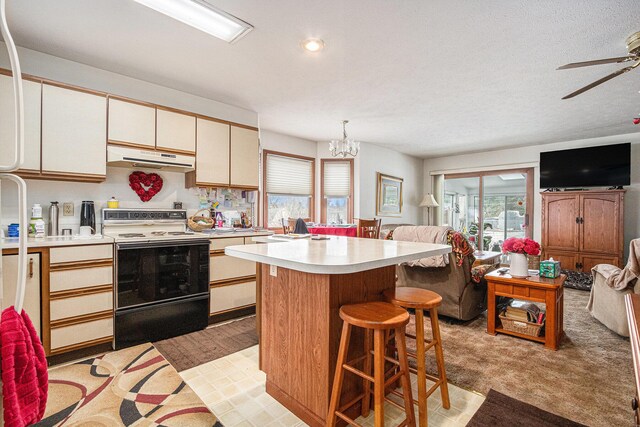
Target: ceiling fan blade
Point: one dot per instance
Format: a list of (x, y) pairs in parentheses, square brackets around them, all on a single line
[(598, 62), (602, 80)]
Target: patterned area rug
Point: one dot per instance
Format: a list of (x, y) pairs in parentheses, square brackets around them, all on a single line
[(578, 280), (134, 386)]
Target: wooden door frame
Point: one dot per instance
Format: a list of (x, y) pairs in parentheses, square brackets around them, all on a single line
[(529, 196), (323, 206), (312, 199)]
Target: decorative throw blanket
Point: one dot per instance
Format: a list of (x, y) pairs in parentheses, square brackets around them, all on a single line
[(478, 272), (619, 279), (460, 247), (425, 234)]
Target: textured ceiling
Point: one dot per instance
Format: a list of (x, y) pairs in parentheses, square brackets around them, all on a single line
[(426, 78)]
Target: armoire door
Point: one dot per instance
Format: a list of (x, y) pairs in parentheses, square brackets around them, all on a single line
[(587, 262), (599, 224), (559, 216)]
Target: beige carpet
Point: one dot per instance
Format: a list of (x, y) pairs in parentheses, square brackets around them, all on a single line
[(134, 386), (588, 380)]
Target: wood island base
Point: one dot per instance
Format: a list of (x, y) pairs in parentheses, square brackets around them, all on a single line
[(300, 331)]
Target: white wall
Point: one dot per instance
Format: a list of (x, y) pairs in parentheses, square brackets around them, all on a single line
[(372, 159), (530, 156)]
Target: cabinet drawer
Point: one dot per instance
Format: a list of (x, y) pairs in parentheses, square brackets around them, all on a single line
[(65, 280), (217, 244), (225, 298), (80, 333), (224, 267), (80, 253), (84, 304)]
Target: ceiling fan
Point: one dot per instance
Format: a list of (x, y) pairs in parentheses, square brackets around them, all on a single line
[(633, 46)]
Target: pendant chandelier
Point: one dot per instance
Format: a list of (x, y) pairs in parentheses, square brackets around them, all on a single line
[(344, 147)]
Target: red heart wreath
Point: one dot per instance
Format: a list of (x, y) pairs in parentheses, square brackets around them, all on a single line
[(138, 180)]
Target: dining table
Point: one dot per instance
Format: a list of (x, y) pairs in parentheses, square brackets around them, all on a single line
[(334, 230)]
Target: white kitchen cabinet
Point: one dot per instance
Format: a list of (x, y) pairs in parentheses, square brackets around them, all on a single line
[(31, 94), (175, 132), (32, 295), (212, 154), (131, 123), (236, 296), (74, 132), (244, 157)]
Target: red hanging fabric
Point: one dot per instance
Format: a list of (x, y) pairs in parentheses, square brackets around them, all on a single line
[(24, 370)]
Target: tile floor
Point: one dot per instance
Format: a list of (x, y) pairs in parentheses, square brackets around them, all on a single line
[(234, 389)]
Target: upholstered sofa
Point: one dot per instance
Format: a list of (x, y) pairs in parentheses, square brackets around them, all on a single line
[(462, 298)]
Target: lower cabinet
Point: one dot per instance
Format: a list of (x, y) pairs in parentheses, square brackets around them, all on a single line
[(580, 261), (80, 297), (232, 280), (32, 295)]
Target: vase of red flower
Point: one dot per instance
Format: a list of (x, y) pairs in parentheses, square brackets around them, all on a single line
[(518, 249)]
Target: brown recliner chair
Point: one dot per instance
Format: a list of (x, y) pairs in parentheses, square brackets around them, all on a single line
[(462, 298)]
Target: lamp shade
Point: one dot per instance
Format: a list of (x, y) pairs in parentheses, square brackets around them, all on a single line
[(428, 201)]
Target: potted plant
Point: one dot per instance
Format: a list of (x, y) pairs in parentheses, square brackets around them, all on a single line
[(518, 249)]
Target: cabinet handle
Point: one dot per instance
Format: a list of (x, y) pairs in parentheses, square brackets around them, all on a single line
[(577, 220), (581, 220), (30, 268)]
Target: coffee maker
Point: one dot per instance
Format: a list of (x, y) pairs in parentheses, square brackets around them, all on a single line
[(88, 215)]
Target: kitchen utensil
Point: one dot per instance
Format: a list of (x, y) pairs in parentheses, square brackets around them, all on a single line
[(54, 213)]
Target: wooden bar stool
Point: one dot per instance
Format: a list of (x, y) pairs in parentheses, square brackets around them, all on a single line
[(376, 318), (420, 300)]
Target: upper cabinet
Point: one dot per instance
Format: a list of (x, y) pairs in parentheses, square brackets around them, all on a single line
[(212, 155), (245, 157), (74, 133), (31, 95), (132, 124), (175, 132)]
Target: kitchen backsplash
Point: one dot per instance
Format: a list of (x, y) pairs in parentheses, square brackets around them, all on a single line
[(117, 185)]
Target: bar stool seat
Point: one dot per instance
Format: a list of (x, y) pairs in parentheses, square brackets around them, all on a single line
[(421, 300), (377, 318)]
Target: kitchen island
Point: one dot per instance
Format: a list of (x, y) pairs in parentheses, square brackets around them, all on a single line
[(303, 284)]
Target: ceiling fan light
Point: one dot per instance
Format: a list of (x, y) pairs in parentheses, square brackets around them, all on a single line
[(202, 16)]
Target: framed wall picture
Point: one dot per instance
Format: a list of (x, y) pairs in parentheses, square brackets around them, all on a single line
[(388, 195)]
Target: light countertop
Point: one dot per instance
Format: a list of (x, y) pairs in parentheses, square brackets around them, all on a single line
[(338, 255), (53, 241)]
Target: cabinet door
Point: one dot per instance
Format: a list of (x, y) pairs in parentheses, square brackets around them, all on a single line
[(175, 132), (599, 227), (132, 124), (74, 132), (244, 157), (568, 260), (32, 295), (31, 95), (225, 298), (212, 153), (560, 228), (590, 261)]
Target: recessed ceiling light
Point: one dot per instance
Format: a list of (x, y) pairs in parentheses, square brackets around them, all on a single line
[(313, 45), (201, 15)]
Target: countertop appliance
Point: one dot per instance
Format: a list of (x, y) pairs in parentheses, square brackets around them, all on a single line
[(161, 275), (88, 215)]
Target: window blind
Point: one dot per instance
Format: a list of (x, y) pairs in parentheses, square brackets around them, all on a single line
[(289, 175), (337, 179)]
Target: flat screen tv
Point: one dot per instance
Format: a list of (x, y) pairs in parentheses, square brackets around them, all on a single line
[(602, 166)]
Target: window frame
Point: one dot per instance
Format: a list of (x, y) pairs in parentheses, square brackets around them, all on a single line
[(265, 195), (324, 207), (529, 196)]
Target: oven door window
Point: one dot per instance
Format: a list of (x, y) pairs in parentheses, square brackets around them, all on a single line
[(158, 273)]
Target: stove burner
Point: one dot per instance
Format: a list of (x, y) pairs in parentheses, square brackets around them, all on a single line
[(179, 233), (127, 235), (158, 233)]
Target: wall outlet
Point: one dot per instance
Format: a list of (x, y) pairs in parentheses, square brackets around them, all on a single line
[(273, 270), (67, 209)]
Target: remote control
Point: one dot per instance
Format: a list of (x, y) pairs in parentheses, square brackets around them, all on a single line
[(503, 270)]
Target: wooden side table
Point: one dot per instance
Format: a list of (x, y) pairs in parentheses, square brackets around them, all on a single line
[(535, 289)]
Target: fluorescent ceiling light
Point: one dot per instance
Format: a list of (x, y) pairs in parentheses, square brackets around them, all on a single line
[(201, 15), (511, 176)]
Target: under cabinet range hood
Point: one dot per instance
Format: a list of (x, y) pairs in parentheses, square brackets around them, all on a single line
[(132, 157)]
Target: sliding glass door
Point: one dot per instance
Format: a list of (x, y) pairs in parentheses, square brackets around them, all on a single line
[(490, 206)]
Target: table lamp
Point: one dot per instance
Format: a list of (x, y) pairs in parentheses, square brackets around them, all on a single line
[(428, 201)]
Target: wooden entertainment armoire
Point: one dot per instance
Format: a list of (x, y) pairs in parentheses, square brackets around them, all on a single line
[(583, 228)]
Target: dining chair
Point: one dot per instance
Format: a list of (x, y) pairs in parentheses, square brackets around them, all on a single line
[(288, 225), (369, 228)]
